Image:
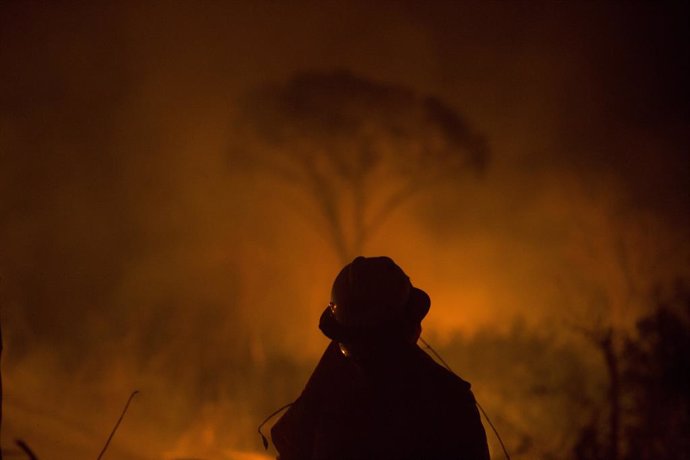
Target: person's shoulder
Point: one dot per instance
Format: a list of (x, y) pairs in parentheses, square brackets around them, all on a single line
[(443, 380)]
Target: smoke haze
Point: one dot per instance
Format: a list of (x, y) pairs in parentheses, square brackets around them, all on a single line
[(137, 252)]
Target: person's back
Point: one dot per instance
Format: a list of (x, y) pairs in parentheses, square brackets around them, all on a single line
[(376, 395)]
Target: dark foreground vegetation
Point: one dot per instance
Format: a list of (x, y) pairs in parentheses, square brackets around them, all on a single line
[(550, 398)]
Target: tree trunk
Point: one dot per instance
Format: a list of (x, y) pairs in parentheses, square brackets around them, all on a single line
[(611, 358)]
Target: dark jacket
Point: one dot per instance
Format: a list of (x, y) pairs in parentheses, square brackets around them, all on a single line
[(395, 404)]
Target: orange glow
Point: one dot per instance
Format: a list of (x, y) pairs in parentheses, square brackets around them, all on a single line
[(144, 247)]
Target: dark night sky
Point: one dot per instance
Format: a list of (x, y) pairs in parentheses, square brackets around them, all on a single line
[(587, 85)]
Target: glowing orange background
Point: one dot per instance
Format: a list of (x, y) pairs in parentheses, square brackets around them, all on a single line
[(136, 255)]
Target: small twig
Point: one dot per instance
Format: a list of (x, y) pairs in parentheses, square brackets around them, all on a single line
[(25, 447), (122, 415)]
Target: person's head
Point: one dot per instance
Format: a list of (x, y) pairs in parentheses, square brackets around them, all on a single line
[(372, 300)]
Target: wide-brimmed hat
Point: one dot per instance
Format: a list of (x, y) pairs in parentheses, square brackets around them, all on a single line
[(372, 294)]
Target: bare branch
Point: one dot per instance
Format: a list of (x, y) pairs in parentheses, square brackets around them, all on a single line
[(27, 450), (117, 424)]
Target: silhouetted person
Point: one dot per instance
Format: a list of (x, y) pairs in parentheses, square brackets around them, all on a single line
[(375, 394)]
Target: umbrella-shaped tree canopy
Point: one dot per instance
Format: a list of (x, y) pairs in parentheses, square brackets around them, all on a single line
[(359, 148)]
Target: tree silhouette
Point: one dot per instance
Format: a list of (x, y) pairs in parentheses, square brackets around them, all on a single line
[(656, 372), (655, 385), (623, 255), (359, 149)]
